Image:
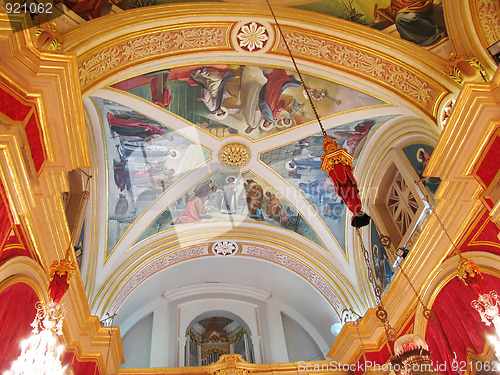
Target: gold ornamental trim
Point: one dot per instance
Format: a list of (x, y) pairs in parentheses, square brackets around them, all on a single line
[(334, 155), (234, 155), (150, 46), (382, 69)]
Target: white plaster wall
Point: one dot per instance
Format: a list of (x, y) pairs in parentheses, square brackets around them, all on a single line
[(299, 343), (137, 344)]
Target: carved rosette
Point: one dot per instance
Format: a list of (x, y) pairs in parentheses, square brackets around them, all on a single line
[(234, 155), (225, 248), (252, 36)]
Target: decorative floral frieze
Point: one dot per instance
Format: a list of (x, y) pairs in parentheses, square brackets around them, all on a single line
[(151, 45), (154, 267), (489, 20), (298, 267), (363, 62)]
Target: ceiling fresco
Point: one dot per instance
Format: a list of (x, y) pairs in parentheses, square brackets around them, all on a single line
[(235, 198), (144, 159), (299, 163), (240, 99), (418, 156)]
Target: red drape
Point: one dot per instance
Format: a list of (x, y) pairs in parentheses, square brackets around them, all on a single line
[(17, 311), (457, 325)]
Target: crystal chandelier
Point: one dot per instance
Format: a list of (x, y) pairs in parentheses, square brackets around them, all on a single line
[(41, 354), (412, 356), (487, 304)]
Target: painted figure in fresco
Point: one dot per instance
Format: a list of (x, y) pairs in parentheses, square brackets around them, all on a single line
[(431, 183), (383, 269), (273, 205), (355, 138), (121, 175), (316, 188), (211, 204), (229, 197), (213, 82), (138, 130), (203, 189), (285, 215), (160, 94), (121, 206), (412, 19), (270, 103), (309, 163), (88, 10), (254, 195)]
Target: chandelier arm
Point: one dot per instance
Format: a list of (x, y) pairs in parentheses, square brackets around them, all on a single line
[(296, 68)]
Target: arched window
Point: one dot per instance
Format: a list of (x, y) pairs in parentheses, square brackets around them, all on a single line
[(210, 338)]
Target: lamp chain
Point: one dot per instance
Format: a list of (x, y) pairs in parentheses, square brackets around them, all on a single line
[(381, 312), (387, 243), (455, 248), (297, 69), (371, 277)]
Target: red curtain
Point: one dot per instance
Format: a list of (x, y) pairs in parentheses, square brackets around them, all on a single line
[(17, 311), (458, 326)]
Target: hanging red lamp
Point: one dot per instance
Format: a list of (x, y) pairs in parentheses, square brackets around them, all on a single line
[(337, 163)]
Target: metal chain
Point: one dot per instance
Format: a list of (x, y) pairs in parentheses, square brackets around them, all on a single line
[(297, 69), (428, 313), (371, 277)]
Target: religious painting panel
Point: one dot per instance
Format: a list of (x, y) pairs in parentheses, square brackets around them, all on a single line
[(240, 99), (299, 163), (144, 159), (382, 267), (236, 198), (419, 156)]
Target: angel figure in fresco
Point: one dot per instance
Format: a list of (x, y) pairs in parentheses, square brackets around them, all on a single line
[(254, 195), (213, 92), (413, 19), (355, 138), (271, 105)]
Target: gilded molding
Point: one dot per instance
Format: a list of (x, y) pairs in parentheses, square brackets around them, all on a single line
[(148, 46)]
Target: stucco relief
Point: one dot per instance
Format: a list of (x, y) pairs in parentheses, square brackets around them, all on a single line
[(489, 20), (150, 45), (366, 63)]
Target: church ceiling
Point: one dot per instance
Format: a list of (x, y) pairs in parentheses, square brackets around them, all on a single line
[(146, 157)]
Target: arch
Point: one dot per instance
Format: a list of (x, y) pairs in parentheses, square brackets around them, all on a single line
[(105, 52)]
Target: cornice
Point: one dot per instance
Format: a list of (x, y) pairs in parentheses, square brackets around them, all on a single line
[(143, 40)]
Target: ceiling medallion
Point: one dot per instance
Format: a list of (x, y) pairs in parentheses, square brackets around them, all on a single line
[(252, 36), (234, 155), (225, 248)]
